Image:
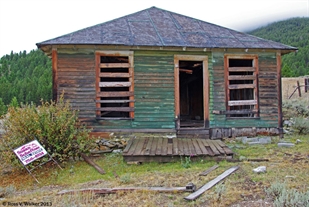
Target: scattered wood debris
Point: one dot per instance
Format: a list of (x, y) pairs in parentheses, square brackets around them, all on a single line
[(210, 184), (209, 170), (190, 187), (90, 162), (257, 159), (105, 146)]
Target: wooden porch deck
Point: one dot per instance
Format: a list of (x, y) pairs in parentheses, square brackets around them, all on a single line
[(150, 149)]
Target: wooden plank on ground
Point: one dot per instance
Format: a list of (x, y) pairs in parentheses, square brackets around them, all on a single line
[(175, 146), (206, 172), (132, 148), (180, 147), (197, 149), (164, 146), (153, 148), (139, 146), (93, 164), (227, 150), (210, 184), (148, 146), (191, 147), (146, 140), (219, 148), (159, 146), (185, 147), (128, 146), (210, 152), (169, 148), (202, 146), (213, 147)]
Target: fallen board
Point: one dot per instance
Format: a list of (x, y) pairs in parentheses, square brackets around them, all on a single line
[(190, 187), (209, 170), (210, 184)]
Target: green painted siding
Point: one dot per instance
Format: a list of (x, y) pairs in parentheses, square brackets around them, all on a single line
[(153, 90)]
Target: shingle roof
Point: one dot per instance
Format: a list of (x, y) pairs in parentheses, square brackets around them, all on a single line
[(158, 27)]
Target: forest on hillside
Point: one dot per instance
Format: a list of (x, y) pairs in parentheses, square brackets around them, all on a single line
[(25, 78), (293, 32)]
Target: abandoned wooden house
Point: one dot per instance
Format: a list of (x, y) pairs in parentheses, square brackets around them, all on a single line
[(161, 72)]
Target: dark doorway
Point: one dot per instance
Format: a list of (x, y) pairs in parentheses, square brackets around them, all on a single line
[(191, 94)]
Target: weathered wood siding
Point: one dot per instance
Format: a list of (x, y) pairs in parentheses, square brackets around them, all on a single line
[(268, 89), (154, 90), (76, 79)]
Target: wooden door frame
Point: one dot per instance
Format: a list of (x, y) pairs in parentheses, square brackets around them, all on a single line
[(204, 59)]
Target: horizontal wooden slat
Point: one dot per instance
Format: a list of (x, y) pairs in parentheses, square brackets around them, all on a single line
[(244, 102), (241, 86), (125, 109), (113, 118), (241, 69), (115, 65), (114, 101), (245, 111), (114, 75), (242, 77), (115, 94), (114, 84)]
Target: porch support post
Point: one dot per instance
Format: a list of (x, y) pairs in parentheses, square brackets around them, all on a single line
[(280, 124), (55, 73)]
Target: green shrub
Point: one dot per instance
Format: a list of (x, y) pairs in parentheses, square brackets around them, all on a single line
[(295, 108), (297, 112), (14, 102), (54, 125)]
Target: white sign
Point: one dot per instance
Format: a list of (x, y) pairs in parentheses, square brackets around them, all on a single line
[(30, 152)]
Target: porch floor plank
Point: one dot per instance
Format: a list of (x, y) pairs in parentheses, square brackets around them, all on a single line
[(159, 146), (196, 147), (149, 149), (153, 148), (148, 146)]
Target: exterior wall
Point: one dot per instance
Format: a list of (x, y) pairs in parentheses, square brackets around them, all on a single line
[(268, 94), (154, 91), (153, 88)]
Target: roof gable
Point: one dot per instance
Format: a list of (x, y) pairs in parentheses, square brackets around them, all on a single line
[(158, 27)]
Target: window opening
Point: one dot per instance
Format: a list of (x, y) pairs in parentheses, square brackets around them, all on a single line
[(242, 88), (115, 99)]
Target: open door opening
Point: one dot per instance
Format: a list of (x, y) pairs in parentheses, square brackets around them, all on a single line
[(191, 94)]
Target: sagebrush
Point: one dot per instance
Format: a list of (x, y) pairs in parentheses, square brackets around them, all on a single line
[(296, 112), (54, 125)]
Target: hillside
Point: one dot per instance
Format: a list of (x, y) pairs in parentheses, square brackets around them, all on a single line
[(25, 76), (293, 32)]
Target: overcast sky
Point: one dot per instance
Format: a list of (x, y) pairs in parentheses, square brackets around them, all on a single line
[(23, 23)]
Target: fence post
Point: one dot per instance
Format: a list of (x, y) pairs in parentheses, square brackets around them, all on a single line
[(298, 87), (306, 84)]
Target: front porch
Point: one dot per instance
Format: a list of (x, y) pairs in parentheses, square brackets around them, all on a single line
[(150, 149)]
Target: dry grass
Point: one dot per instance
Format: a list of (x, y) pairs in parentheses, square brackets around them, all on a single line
[(290, 84), (288, 165)]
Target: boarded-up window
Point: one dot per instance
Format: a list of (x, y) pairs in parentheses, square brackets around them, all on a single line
[(115, 85), (241, 86)]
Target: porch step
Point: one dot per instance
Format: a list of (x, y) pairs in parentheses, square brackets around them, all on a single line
[(193, 133)]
